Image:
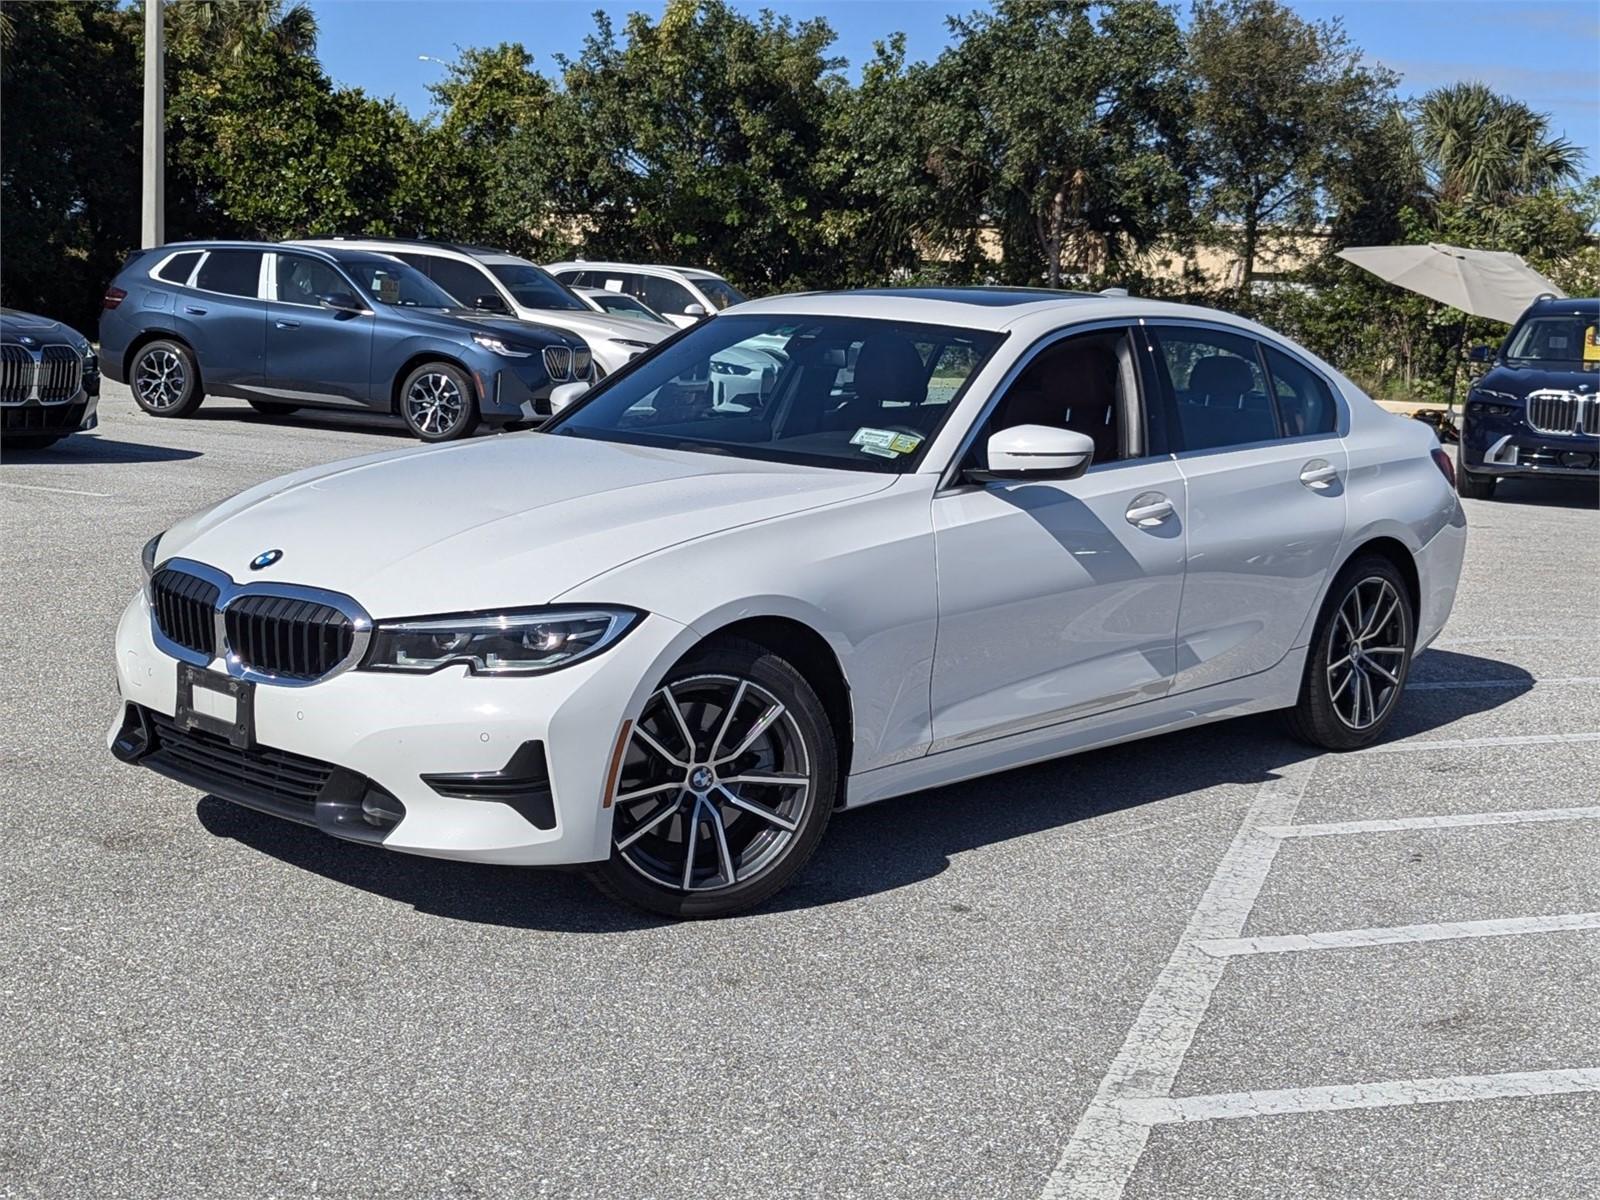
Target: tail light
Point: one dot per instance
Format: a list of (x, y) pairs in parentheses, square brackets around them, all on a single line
[(1446, 466), (113, 297)]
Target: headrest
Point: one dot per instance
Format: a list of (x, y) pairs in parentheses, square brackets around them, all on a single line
[(889, 371), (1221, 377)]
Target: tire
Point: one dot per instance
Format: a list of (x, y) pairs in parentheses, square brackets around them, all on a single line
[(273, 408), (764, 832), (1369, 597), (165, 379), (32, 441), (1472, 486), (437, 403)]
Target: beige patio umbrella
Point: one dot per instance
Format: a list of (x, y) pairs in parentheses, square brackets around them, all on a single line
[(1485, 283)]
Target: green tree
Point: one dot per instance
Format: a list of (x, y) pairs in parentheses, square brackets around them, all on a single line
[(698, 138), (1060, 125), (1282, 105)]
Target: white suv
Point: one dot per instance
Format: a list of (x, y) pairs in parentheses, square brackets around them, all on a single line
[(683, 295), (491, 281)]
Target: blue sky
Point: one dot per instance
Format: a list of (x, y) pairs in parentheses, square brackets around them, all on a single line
[(1544, 53)]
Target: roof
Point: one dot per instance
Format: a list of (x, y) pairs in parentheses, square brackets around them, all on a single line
[(400, 243), (598, 264), (1576, 305)]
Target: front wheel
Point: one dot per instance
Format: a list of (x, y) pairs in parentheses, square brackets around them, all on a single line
[(438, 403), (1359, 658), (727, 784)]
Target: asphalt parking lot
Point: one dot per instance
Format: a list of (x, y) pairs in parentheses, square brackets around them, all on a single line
[(1214, 964)]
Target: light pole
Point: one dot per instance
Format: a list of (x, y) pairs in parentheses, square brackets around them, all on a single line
[(152, 228)]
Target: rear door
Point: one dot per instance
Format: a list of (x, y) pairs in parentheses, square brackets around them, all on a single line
[(315, 355), (223, 316), (1255, 431)]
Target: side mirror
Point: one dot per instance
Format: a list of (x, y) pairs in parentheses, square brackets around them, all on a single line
[(564, 394), (490, 303), (1037, 452), (695, 310), (1479, 354), (342, 302)]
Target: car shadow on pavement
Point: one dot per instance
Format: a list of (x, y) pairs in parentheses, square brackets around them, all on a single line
[(80, 449), (1547, 493), (883, 846)]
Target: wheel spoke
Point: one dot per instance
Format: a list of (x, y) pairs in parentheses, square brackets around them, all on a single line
[(773, 780), (761, 726), (683, 725), (690, 838), (1377, 623), (1339, 691), (653, 823), (1371, 650), (730, 875), (645, 737), (646, 793), (1384, 674), (759, 810), (727, 718)]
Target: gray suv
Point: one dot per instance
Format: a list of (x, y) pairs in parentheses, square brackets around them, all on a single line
[(289, 327)]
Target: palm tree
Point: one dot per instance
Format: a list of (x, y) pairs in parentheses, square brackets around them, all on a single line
[(222, 27), (1475, 143)]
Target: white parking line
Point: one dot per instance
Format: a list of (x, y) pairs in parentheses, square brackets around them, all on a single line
[(1482, 743), (1400, 935), (1452, 1089), (1096, 1163), (1447, 685), (1444, 821), (39, 487)]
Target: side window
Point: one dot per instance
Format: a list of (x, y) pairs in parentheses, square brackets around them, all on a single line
[(664, 295), (179, 267), (303, 280), (419, 261), (1219, 393), (1305, 402), (231, 272), (462, 280), (1086, 383)]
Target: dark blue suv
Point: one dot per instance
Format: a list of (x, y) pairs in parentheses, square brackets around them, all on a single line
[(1537, 411), (286, 327)]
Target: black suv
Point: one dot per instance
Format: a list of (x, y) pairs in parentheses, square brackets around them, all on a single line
[(1537, 411)]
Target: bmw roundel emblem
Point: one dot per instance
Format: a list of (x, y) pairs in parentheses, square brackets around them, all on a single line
[(265, 559)]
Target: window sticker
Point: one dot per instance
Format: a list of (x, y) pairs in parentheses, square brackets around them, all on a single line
[(388, 288), (1557, 342), (1591, 344), (613, 285), (885, 443)]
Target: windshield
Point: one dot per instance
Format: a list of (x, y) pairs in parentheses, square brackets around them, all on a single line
[(1569, 340), (627, 306), (823, 391), (532, 287), (389, 281), (720, 292)]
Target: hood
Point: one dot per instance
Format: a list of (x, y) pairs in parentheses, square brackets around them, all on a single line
[(590, 324), (15, 325), (494, 522), (1519, 381), (459, 320)]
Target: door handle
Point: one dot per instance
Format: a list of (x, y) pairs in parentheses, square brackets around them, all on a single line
[(1149, 510), (195, 309), (1318, 474), (287, 324)]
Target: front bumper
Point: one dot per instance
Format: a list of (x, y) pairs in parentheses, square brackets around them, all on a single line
[(1507, 446), (383, 733), (33, 418)]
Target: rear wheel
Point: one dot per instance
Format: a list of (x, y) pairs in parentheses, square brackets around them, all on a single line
[(437, 402), (1359, 658), (273, 408), (727, 784), (165, 379)]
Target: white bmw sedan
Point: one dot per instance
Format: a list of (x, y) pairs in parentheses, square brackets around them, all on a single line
[(958, 531)]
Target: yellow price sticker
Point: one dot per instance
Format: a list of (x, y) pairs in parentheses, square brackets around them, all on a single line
[(1591, 344)]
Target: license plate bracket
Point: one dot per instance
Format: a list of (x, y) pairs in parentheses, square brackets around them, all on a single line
[(216, 704)]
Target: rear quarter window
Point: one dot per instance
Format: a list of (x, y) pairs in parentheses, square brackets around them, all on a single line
[(179, 267)]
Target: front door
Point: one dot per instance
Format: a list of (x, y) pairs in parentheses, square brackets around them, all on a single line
[(315, 355), (1060, 599), (1256, 438)]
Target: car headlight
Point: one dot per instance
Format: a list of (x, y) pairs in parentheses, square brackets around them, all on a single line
[(526, 642), (499, 345), (91, 360), (728, 368), (147, 556), (1483, 393), (629, 343)]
